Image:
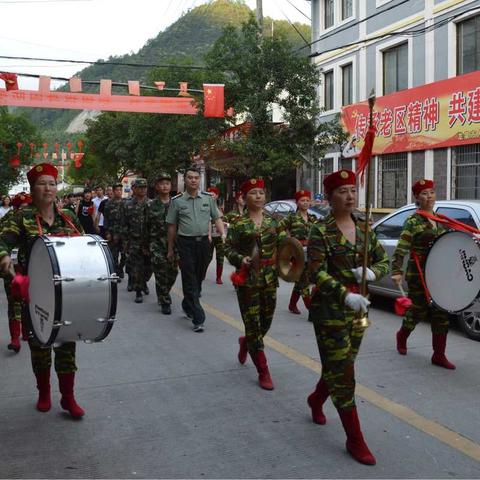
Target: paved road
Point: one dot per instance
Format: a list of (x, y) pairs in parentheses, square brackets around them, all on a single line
[(165, 402)]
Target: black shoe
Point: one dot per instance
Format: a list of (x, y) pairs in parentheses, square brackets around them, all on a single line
[(121, 274), (139, 297), (129, 287), (199, 328), (166, 309), (146, 291)]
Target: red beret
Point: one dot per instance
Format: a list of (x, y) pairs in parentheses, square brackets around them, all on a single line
[(21, 199), (338, 179), (250, 184), (214, 190), (302, 193), (238, 195), (39, 170), (422, 185)]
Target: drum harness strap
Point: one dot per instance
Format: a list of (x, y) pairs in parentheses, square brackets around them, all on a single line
[(449, 222)]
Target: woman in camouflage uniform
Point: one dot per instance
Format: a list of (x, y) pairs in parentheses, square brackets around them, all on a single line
[(238, 209), (335, 256), (298, 225), (216, 241), (256, 281), (417, 235), (22, 228)]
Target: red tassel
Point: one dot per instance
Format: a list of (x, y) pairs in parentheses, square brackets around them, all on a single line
[(239, 278), (366, 153), (20, 284)]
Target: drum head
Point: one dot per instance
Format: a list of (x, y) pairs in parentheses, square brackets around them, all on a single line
[(452, 271), (41, 292)]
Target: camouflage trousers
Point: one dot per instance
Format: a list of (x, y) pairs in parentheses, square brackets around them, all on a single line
[(138, 266), (14, 309), (116, 249), (42, 357), (165, 273), (257, 306), (421, 310), (338, 344), (302, 285), (219, 247)]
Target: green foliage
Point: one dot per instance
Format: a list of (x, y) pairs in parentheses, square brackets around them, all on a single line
[(13, 129)]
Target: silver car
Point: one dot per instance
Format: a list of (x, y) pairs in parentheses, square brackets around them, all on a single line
[(388, 231)]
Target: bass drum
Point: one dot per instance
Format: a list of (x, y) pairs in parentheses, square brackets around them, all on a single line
[(73, 289), (452, 271)]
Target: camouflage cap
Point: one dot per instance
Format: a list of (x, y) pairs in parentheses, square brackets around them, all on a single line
[(163, 176), (140, 182)]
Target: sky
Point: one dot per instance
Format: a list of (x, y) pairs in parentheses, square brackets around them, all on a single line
[(96, 29)]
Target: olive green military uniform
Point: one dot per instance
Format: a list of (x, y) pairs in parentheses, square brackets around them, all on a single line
[(113, 215), (417, 235), (192, 216), (258, 296), (330, 260), (20, 230), (165, 271)]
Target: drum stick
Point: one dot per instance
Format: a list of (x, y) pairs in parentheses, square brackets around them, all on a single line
[(402, 291)]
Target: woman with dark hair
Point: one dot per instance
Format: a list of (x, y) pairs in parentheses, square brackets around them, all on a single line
[(6, 206)]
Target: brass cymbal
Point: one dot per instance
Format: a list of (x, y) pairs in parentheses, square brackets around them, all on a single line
[(290, 260)]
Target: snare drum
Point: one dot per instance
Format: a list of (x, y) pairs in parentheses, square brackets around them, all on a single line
[(73, 289), (452, 271)]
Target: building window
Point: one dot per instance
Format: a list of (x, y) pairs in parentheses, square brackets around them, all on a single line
[(395, 69), (326, 167), (466, 172), (347, 85), (468, 45), (329, 13), (328, 90), (392, 182), (347, 9)]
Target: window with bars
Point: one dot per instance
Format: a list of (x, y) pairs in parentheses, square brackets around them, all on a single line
[(328, 90), (326, 168), (347, 9), (329, 13), (395, 69), (468, 45), (392, 180), (347, 84), (466, 172)]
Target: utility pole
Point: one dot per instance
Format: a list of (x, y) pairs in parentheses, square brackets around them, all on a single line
[(260, 14)]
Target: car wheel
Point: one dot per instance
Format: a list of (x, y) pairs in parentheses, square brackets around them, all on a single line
[(470, 323)]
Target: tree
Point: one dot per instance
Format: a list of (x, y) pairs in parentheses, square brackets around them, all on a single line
[(13, 129), (260, 72)]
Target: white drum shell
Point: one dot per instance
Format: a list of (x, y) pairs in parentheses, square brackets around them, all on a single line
[(78, 304), (452, 271)]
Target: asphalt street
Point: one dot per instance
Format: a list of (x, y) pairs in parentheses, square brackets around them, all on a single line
[(165, 402)]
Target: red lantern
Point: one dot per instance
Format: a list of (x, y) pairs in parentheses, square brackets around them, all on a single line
[(15, 161)]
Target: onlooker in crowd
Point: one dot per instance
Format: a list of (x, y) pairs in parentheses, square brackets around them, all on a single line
[(85, 212), (69, 202), (99, 213), (97, 199), (6, 205)]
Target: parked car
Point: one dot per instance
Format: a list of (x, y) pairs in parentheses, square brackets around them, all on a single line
[(281, 208), (388, 231)]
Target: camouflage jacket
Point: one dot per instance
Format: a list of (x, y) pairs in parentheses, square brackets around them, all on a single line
[(232, 215), (296, 226), (417, 235), (243, 239), (113, 217), (331, 257), (22, 227), (135, 221), (157, 226)]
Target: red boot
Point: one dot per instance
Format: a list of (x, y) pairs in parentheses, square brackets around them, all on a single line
[(402, 336), (242, 353), (44, 403), (15, 328), (316, 400), (292, 306), (219, 274), (66, 382), (439, 342), (307, 300), (264, 378), (356, 445)]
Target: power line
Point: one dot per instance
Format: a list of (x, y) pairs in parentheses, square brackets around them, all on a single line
[(17, 2), (298, 10), (293, 26)]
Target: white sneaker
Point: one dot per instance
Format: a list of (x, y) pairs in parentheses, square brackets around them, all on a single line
[(198, 328)]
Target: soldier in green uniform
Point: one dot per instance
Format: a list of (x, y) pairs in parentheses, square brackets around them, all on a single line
[(165, 270), (335, 256), (217, 242), (256, 277), (22, 228), (136, 240), (298, 226), (417, 235), (188, 219), (113, 225)]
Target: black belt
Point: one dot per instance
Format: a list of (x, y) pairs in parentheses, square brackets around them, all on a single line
[(194, 238)]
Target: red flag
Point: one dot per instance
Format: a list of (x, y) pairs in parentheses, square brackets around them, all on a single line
[(214, 102), (366, 153), (10, 80)]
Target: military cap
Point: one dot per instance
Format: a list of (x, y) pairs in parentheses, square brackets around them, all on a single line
[(163, 176), (423, 184), (250, 184), (140, 182), (41, 169), (338, 179), (302, 193)]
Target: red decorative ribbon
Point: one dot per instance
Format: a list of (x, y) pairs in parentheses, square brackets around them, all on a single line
[(449, 222)]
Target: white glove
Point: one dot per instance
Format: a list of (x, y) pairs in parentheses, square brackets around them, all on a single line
[(358, 274), (357, 302)]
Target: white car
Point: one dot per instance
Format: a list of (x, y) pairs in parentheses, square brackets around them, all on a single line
[(388, 231)]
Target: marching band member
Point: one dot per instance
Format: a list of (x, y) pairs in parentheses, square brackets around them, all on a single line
[(334, 264), (417, 235), (298, 225), (237, 210), (42, 217), (217, 240), (256, 287)]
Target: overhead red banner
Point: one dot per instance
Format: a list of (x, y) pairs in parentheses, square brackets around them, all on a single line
[(436, 115)]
